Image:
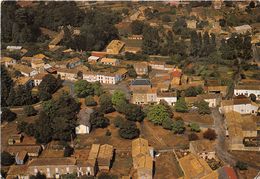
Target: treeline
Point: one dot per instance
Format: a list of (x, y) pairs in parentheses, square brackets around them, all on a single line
[(22, 25)]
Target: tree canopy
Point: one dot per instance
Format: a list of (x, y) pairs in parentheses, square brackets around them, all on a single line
[(157, 114), (180, 105), (129, 130), (203, 107), (83, 88)]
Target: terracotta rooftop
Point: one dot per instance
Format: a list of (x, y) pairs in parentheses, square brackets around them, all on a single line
[(29, 148), (21, 155), (23, 68), (106, 152), (194, 167), (52, 161), (247, 87)]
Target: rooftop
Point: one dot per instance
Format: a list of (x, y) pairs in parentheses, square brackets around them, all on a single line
[(115, 44), (39, 76), (6, 59), (140, 146), (247, 87), (29, 148), (109, 60), (140, 81), (203, 145), (84, 116), (23, 80), (52, 161), (23, 68), (21, 155), (106, 152), (93, 154), (194, 167)]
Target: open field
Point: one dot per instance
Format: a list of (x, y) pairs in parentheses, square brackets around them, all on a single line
[(195, 117)]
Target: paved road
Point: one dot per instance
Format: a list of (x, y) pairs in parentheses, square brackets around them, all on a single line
[(221, 147)]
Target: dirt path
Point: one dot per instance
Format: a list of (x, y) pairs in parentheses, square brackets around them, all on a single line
[(221, 147)]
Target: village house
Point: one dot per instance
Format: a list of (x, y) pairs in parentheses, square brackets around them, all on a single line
[(141, 68), (91, 165), (74, 62), (144, 96), (140, 83), (115, 47), (195, 81), (194, 167), (15, 139), (241, 105), (26, 60), (93, 59), (217, 89), (190, 101), (32, 150), (18, 171), (203, 148), (135, 37), (213, 99), (142, 155), (176, 77), (68, 74), (247, 90), (169, 97), (132, 49), (52, 167), (37, 79), (14, 48), (37, 63), (84, 125), (157, 65), (110, 61), (105, 156), (243, 29), (7, 61), (40, 56), (21, 157), (25, 70), (23, 80), (238, 128), (191, 24)]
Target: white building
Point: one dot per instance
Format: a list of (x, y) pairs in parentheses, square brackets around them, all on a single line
[(213, 99), (84, 125), (246, 90), (25, 70), (168, 97), (242, 106)]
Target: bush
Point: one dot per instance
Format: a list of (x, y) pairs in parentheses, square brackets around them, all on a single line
[(6, 159), (194, 127), (44, 96), (203, 107), (210, 134), (252, 97), (241, 165), (129, 130), (178, 127), (167, 124), (118, 121), (29, 110), (89, 101), (193, 136), (7, 115)]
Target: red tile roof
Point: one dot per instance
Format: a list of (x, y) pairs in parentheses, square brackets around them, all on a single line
[(230, 172), (176, 73)]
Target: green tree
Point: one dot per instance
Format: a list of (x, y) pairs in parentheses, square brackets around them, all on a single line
[(180, 105), (7, 115), (68, 151), (20, 96), (241, 165), (166, 18), (44, 96), (118, 121), (29, 110), (98, 120), (117, 97), (6, 85), (194, 127), (43, 129), (193, 136), (157, 114), (83, 88), (89, 101), (178, 127), (203, 107), (193, 91), (210, 134), (106, 105), (129, 130), (39, 175), (134, 113), (98, 90), (6, 159), (137, 27), (49, 84), (252, 97), (122, 106), (167, 124), (151, 41)]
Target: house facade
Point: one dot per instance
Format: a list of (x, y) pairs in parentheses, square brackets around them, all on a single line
[(246, 90), (110, 61)]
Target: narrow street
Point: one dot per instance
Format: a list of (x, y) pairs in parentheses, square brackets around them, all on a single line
[(221, 147)]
